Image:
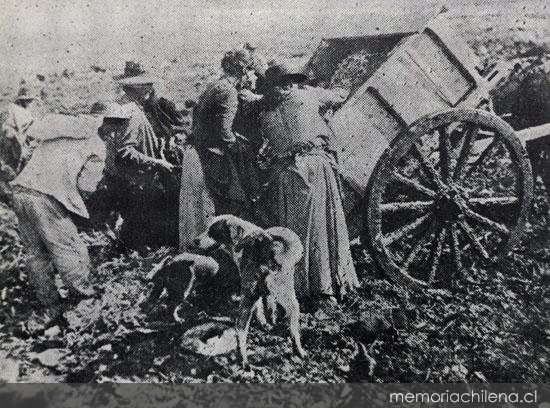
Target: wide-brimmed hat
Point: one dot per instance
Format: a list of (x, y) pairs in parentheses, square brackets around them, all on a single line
[(285, 71), (109, 110), (25, 94), (135, 75)]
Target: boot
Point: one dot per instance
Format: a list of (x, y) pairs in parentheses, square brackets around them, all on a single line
[(40, 321)]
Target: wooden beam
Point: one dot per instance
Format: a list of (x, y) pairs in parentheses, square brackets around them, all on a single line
[(534, 132)]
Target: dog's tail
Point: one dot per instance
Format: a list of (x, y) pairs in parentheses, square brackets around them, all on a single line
[(294, 250)]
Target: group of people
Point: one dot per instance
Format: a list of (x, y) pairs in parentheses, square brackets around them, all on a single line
[(259, 148)]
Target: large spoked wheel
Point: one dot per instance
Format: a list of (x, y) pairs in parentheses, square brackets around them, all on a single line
[(454, 189)]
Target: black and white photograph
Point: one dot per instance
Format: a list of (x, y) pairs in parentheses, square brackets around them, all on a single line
[(275, 191)]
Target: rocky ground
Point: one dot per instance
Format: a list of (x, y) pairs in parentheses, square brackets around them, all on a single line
[(493, 326)]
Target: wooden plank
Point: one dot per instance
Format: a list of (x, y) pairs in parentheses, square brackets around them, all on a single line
[(363, 132), (404, 85), (443, 72), (456, 47), (419, 77)]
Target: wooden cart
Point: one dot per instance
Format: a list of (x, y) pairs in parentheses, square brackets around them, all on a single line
[(438, 180)]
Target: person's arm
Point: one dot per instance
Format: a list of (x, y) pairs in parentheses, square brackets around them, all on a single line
[(129, 152), (9, 125), (228, 103), (91, 174), (131, 155), (330, 98), (249, 97)]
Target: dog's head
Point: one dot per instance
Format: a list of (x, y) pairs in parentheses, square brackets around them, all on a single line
[(225, 230)]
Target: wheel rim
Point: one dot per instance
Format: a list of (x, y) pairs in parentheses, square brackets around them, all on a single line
[(455, 188)]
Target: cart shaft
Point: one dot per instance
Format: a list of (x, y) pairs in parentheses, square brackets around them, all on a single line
[(534, 132)]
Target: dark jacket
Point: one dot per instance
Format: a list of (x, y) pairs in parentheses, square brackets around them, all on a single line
[(214, 115), (213, 134)]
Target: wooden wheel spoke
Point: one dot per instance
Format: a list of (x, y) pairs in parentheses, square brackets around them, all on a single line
[(414, 184), (495, 226), (452, 189), (483, 155), (493, 201), (404, 230), (444, 154), (437, 253), (455, 247), (470, 234), (427, 166), (418, 246), (406, 205), (470, 136)]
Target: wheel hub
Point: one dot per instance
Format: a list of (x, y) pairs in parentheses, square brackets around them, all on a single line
[(447, 207)]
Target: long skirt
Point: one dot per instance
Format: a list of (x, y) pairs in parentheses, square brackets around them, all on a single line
[(196, 205), (304, 196)]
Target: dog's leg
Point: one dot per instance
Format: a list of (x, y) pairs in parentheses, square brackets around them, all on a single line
[(293, 312), (148, 304), (246, 307), (259, 311), (271, 306), (190, 284)]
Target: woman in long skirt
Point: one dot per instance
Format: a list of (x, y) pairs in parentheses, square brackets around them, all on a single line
[(196, 206), (303, 192)]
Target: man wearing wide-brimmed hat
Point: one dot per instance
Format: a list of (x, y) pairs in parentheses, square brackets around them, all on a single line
[(162, 114), (106, 203), (15, 146), (303, 192), (150, 155)]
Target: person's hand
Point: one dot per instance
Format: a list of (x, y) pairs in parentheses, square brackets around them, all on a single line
[(320, 141), (239, 137), (7, 172), (164, 164), (340, 94), (246, 95), (231, 147)]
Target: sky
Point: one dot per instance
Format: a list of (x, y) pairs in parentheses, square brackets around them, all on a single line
[(51, 33)]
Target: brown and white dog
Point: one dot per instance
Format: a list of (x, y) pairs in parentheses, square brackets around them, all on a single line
[(267, 260)]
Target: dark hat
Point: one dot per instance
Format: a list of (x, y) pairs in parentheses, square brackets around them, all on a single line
[(25, 94), (135, 75), (285, 71)]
